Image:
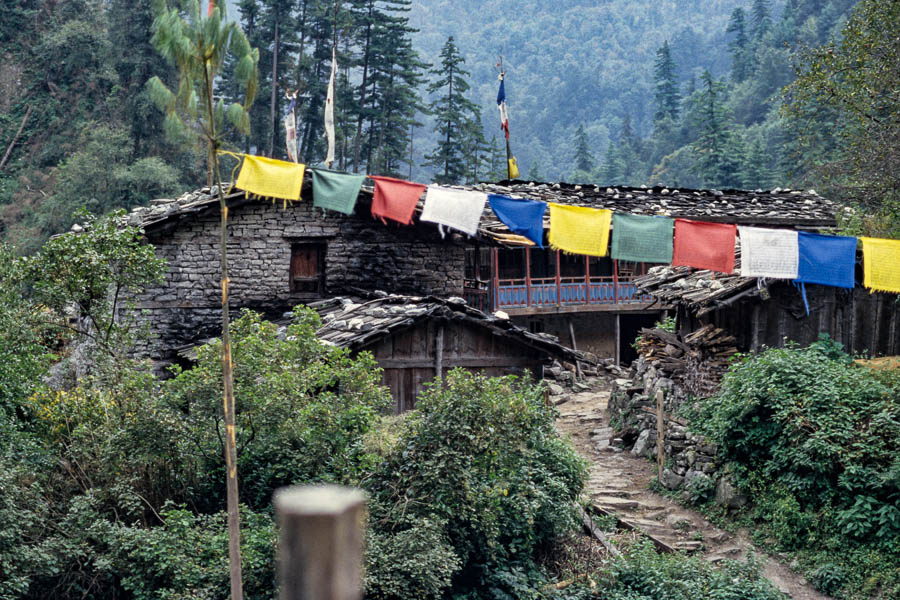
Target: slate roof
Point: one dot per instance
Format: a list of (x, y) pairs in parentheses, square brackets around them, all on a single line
[(700, 291), (778, 207), (356, 323)]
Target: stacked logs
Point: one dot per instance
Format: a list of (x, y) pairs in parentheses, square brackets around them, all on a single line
[(697, 362)]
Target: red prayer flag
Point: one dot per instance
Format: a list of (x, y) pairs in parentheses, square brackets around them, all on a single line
[(395, 199), (703, 245)]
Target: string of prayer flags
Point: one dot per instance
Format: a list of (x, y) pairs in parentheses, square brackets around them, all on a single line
[(523, 217), (642, 238), (395, 199), (703, 245), (336, 191), (271, 178), (826, 259), (579, 229), (769, 252), (880, 264), (459, 209)]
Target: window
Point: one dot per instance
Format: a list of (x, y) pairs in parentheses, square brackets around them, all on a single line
[(308, 268)]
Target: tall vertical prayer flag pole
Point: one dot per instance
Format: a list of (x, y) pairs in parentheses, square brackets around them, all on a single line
[(512, 171), (329, 99)]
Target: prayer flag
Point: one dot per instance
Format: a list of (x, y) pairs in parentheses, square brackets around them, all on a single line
[(271, 178), (459, 209), (329, 111), (641, 238), (336, 191), (524, 217), (501, 105), (395, 199), (512, 168), (290, 130), (881, 264), (769, 252), (703, 245), (579, 229), (826, 259)]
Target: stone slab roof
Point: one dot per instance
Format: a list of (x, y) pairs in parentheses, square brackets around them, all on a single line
[(778, 207), (354, 323)]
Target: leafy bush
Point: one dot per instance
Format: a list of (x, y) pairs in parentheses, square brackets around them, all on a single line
[(646, 575), (814, 438), (481, 457), (302, 408)]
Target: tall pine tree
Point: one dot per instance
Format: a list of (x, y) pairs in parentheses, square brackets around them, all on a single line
[(739, 46), (665, 80), (584, 160), (452, 111)]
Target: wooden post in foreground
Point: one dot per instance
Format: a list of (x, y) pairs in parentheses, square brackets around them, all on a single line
[(321, 542), (660, 434)]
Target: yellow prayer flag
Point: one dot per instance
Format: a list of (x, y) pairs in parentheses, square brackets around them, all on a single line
[(271, 178), (881, 264), (579, 229), (513, 168)]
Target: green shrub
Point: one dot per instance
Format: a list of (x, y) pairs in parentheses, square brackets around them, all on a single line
[(814, 439), (481, 456), (302, 408)]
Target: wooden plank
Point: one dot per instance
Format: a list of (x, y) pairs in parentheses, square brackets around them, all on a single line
[(592, 529), (660, 434), (463, 361)]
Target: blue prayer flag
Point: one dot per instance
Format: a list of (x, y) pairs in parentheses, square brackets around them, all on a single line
[(524, 217), (826, 259)]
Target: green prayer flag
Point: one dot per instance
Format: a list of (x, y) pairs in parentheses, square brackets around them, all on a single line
[(336, 191), (642, 239)]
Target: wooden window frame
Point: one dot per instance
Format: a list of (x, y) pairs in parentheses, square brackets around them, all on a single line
[(300, 285)]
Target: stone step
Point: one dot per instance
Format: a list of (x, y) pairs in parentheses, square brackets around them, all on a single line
[(621, 493), (688, 546), (614, 503)]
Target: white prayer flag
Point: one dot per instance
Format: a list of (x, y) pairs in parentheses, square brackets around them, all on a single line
[(329, 111), (771, 253), (459, 209), (290, 135)]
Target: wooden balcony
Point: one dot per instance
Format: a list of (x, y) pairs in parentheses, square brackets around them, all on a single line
[(571, 288)]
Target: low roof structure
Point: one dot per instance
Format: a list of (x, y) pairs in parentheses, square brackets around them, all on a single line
[(356, 324)]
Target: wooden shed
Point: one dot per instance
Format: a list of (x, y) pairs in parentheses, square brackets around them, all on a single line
[(769, 315), (414, 338)]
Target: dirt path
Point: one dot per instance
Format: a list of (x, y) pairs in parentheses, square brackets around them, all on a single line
[(618, 484)]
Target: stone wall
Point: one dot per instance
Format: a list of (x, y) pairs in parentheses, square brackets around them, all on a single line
[(691, 461), (360, 253)]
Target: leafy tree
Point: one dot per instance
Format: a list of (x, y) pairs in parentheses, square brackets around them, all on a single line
[(717, 147), (199, 46), (760, 18), (98, 272), (452, 111), (739, 46), (847, 91), (584, 161), (666, 82)]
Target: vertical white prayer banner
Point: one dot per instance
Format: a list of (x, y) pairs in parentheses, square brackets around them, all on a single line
[(329, 111), (459, 209), (773, 253), (290, 135)]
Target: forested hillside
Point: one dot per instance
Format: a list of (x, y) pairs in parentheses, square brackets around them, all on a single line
[(682, 93)]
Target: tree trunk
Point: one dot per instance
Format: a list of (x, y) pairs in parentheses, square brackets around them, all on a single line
[(362, 88), (449, 109), (231, 486), (274, 97)]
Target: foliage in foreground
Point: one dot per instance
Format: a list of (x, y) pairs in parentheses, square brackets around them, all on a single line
[(480, 474), (814, 438)]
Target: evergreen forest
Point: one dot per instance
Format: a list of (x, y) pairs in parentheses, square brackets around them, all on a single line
[(688, 94)]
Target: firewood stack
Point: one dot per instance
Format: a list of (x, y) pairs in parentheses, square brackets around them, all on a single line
[(698, 361)]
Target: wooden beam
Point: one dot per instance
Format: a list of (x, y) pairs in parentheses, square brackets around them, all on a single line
[(468, 362), (439, 352), (660, 435), (321, 542)]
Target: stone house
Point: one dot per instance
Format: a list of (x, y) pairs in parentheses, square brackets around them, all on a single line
[(282, 255)]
